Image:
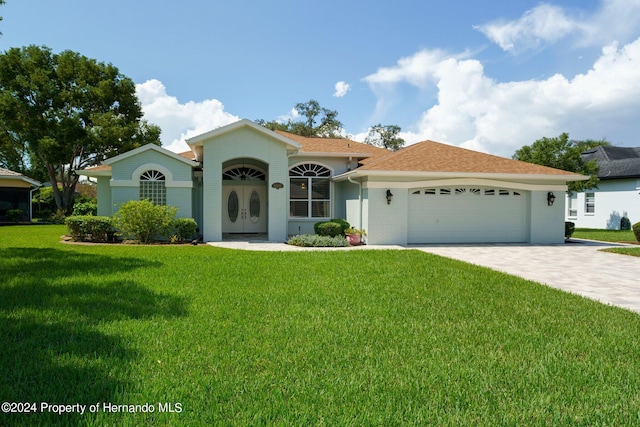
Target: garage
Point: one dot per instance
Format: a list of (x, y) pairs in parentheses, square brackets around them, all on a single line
[(468, 215)]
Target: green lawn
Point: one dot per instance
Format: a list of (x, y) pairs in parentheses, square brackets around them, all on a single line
[(623, 236), (615, 236), (306, 338)]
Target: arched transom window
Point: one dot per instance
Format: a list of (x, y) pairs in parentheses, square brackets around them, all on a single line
[(243, 173), (152, 187), (310, 191)]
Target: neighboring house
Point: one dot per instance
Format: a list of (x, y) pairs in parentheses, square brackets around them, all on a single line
[(16, 193), (244, 178), (618, 192)]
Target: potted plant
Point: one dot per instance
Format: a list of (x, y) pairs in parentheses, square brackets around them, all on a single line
[(354, 235)]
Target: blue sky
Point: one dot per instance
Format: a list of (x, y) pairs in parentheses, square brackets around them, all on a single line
[(490, 75)]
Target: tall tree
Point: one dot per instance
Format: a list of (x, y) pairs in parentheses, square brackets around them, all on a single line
[(64, 112), (385, 137), (318, 122), (565, 154)]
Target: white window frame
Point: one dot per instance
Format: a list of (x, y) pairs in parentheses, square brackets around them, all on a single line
[(152, 187), (590, 208), (572, 205), (310, 171)]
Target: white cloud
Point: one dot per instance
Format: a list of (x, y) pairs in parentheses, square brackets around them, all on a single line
[(614, 20), (476, 112), (179, 121), (538, 26), (341, 89)]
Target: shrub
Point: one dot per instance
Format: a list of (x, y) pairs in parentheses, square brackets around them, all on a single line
[(317, 241), (183, 229), (636, 230), (625, 223), (15, 215), (90, 228), (569, 228), (343, 223), (328, 228), (85, 208), (144, 221)]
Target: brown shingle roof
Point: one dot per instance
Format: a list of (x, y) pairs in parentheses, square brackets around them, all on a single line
[(430, 156), (334, 145)]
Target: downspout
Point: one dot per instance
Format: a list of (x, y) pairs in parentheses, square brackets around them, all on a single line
[(359, 184)]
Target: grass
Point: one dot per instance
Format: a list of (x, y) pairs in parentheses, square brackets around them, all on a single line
[(614, 236), (305, 338)]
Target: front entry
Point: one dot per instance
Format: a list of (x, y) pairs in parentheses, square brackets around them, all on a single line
[(244, 208)]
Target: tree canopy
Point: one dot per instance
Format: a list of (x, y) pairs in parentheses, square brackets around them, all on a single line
[(64, 112), (562, 153), (385, 137), (317, 122)]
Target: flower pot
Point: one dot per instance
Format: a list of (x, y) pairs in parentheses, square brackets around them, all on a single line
[(353, 239)]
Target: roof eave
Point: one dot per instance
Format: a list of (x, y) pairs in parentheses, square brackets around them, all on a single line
[(439, 175)]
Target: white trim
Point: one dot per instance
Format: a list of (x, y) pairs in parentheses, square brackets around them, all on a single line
[(135, 177), (147, 147), (445, 175), (466, 182), (199, 139)]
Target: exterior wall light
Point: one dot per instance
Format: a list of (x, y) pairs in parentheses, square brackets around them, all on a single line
[(389, 197), (550, 198)]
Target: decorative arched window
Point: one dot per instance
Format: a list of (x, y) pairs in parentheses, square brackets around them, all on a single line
[(310, 191), (152, 187)]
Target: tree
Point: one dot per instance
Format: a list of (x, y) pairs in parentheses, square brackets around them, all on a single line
[(565, 154), (63, 112), (318, 122), (385, 136)]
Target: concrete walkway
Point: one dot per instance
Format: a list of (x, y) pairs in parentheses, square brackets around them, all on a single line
[(578, 266)]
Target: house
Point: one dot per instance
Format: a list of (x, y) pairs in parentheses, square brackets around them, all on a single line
[(244, 178), (16, 193), (618, 192)]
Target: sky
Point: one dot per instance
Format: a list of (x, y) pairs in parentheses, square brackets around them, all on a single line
[(490, 75)]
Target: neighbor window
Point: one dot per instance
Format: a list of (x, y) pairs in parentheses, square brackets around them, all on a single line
[(589, 203), (152, 187), (572, 206), (310, 191)]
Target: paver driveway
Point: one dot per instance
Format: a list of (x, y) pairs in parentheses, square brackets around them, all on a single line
[(578, 267)]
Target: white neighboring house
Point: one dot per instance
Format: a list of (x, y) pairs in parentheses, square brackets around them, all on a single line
[(618, 192)]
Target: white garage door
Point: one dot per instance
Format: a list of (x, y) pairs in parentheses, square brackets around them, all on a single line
[(467, 215)]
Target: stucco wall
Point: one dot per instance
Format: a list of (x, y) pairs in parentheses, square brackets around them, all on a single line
[(245, 143), (387, 223), (613, 200), (547, 222), (125, 180), (105, 204)]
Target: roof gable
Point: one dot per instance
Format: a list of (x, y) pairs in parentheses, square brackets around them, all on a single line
[(431, 156), (145, 148), (199, 139)]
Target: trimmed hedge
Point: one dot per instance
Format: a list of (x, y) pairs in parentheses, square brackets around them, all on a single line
[(335, 227), (569, 228), (636, 230), (183, 229), (317, 241), (88, 228)]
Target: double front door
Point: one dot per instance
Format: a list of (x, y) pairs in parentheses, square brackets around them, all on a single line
[(244, 209)]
